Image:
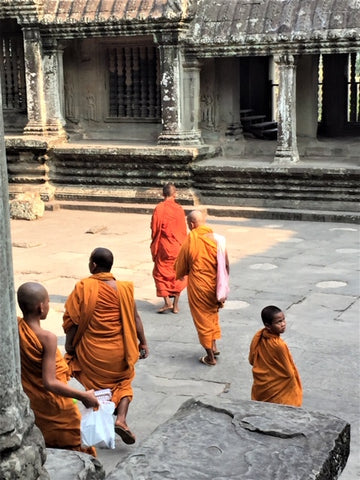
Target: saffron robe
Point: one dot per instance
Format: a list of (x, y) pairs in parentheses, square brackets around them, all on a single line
[(198, 259), (56, 416), (106, 345), (168, 231), (276, 378)]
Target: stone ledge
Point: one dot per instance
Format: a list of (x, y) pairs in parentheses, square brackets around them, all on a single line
[(217, 438)]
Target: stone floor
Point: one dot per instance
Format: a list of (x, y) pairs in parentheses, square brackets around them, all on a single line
[(310, 270)]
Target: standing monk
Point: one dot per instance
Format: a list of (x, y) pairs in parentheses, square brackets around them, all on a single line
[(198, 259), (44, 375), (104, 335), (168, 231)]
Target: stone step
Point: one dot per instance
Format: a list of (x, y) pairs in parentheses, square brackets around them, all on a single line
[(214, 210)]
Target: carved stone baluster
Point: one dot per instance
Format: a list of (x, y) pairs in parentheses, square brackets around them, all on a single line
[(136, 82), (128, 82)]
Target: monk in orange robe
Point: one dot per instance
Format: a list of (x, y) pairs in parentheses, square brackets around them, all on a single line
[(198, 259), (104, 335), (276, 378), (168, 231), (44, 375)]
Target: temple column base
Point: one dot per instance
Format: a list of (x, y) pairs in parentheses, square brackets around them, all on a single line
[(286, 156), (192, 138)]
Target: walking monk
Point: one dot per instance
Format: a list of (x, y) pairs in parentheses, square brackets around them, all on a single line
[(44, 375), (104, 335), (168, 231), (276, 378), (198, 259)]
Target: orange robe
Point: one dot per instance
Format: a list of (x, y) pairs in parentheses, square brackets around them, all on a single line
[(106, 345), (168, 231), (57, 417), (198, 259), (276, 378)]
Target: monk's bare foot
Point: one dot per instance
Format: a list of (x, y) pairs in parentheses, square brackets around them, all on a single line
[(175, 310), (165, 309)]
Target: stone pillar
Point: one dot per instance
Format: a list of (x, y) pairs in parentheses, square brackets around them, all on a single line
[(307, 95), (172, 78), (54, 87), (22, 449), (191, 100), (286, 151), (36, 108)]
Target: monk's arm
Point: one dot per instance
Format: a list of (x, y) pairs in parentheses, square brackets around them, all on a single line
[(227, 264), (143, 346), (51, 383), (70, 334), (181, 262)]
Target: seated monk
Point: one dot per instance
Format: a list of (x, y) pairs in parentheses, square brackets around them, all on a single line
[(44, 375)]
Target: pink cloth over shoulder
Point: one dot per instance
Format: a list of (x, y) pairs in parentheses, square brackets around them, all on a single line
[(222, 280)]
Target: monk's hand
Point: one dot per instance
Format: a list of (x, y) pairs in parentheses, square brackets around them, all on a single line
[(143, 350), (89, 399)]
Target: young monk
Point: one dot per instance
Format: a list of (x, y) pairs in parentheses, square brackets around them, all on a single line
[(276, 378), (44, 375)]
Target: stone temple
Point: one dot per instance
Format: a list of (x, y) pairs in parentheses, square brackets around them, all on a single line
[(246, 103)]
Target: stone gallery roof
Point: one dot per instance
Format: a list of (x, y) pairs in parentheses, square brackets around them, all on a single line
[(262, 22), (98, 11)]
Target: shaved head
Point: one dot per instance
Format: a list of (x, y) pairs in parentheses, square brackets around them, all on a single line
[(103, 258), (195, 219), (30, 295), (169, 190)]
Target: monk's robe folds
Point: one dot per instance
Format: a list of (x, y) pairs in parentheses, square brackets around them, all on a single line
[(57, 417), (106, 340), (276, 378), (198, 259), (168, 229)]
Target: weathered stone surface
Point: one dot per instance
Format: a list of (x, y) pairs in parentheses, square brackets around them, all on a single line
[(215, 438), (27, 206), (68, 465)]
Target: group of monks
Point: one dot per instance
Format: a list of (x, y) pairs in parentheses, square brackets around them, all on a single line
[(105, 335)]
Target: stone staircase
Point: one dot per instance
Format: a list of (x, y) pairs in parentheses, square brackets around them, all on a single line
[(257, 126)]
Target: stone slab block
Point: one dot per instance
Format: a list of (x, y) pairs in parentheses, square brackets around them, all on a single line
[(219, 439), (69, 465)]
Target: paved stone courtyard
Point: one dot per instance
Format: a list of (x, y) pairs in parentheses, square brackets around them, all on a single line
[(310, 270)]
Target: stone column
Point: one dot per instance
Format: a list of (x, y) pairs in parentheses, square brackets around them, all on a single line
[(22, 449), (191, 100), (54, 86), (172, 78), (34, 75), (286, 151)]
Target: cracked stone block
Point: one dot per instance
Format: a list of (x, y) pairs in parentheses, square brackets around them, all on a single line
[(69, 464), (217, 438), (27, 206)]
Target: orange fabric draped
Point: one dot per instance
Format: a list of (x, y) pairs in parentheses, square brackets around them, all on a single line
[(168, 231), (57, 417), (276, 378), (198, 259), (106, 339)]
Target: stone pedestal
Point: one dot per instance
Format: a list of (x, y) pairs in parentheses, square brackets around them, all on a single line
[(286, 151), (22, 449)]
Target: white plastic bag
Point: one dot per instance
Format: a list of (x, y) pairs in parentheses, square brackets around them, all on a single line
[(97, 426)]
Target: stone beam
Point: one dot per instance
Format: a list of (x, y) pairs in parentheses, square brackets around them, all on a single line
[(22, 449)]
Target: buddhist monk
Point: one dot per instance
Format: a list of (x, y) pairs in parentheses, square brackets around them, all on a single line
[(168, 231), (276, 378), (44, 375), (198, 259), (105, 335)]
